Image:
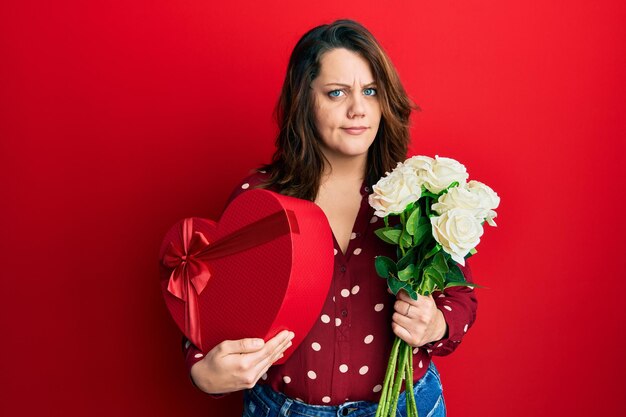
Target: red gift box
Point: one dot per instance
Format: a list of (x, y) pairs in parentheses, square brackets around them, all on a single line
[(266, 266)]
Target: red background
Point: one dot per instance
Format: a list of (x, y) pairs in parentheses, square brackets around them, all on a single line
[(118, 118)]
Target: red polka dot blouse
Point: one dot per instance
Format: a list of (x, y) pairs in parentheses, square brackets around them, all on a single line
[(344, 356)]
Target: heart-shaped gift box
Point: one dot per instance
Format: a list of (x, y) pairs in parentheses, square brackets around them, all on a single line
[(266, 266)]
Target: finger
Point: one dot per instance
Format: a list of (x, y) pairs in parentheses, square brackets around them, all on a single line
[(247, 345), (404, 321), (272, 348), (402, 307), (404, 296), (267, 361), (402, 333)]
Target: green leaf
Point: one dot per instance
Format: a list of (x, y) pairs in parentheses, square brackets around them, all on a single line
[(422, 232), (428, 285), (395, 285), (426, 193), (407, 259), (463, 284), (433, 251), (454, 273), (412, 293), (454, 184), (407, 241), (385, 267), (439, 263), (406, 273), (432, 278), (413, 221), (388, 235)]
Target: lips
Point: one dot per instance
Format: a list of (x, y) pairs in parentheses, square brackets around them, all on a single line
[(357, 130)]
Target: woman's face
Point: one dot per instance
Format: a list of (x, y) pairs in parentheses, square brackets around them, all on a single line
[(347, 111)]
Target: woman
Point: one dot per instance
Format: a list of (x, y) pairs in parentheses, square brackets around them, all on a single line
[(344, 121)]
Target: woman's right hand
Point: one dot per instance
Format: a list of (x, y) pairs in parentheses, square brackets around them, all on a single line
[(234, 365)]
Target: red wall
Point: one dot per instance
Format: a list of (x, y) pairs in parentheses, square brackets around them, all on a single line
[(118, 118)]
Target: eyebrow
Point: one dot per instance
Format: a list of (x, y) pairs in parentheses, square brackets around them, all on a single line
[(349, 86)]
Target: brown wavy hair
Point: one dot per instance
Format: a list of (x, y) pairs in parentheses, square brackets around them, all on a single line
[(298, 162)]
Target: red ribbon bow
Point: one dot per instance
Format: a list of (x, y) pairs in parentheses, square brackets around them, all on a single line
[(191, 273)]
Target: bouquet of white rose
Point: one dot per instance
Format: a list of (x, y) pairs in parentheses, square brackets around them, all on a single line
[(441, 222)]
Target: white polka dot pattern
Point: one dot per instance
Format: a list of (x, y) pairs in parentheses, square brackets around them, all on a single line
[(198, 355), (311, 374), (377, 388), (374, 219), (326, 400), (368, 339), (343, 368), (325, 318), (416, 351), (379, 307), (316, 346), (465, 329), (286, 379), (364, 370), (335, 251), (245, 186), (448, 308), (421, 364), (337, 322), (264, 376), (357, 251), (352, 235), (345, 292), (355, 289)]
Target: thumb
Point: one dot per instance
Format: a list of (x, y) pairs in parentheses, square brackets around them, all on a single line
[(243, 345)]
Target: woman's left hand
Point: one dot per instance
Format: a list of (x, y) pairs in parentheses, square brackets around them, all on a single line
[(417, 322)]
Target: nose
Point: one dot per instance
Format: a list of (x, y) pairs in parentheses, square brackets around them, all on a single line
[(357, 106)]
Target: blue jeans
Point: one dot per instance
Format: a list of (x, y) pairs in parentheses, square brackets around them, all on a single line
[(263, 401)]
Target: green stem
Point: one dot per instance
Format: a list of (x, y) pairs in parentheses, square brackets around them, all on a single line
[(395, 393), (411, 406), (403, 222), (383, 405)]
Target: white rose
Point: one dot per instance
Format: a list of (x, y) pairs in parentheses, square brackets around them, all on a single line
[(457, 231), (420, 163), (488, 200), (395, 191), (443, 172), (457, 197)]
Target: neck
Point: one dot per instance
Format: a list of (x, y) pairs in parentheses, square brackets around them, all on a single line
[(345, 169)]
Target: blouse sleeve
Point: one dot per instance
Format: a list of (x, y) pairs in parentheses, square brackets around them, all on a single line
[(458, 305)]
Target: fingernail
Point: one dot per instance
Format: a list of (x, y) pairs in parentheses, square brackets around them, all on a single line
[(291, 335)]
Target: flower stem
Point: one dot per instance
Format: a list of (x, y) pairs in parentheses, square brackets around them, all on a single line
[(385, 396), (398, 381), (403, 222), (411, 406)]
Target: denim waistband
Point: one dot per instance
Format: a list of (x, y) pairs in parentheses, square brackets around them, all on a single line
[(288, 406), (263, 401)]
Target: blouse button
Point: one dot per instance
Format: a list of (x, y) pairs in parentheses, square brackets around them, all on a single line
[(343, 268), (367, 189), (344, 312)]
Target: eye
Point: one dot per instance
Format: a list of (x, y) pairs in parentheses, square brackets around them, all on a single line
[(335, 93), (370, 92)]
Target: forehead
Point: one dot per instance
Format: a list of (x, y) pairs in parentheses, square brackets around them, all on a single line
[(344, 66)]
